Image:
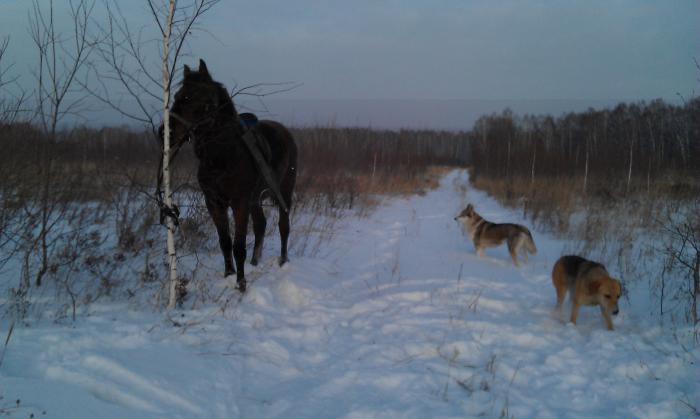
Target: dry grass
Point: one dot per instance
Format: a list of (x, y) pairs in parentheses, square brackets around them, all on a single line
[(552, 201), (634, 232), (96, 201)]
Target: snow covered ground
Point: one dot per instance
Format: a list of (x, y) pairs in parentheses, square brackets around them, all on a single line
[(399, 319)]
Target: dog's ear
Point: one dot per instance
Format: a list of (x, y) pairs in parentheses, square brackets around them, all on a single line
[(594, 286), (186, 71), (619, 285), (470, 209)]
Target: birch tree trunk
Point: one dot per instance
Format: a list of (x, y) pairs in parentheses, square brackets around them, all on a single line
[(125, 59), (585, 171), (696, 286), (629, 172), (170, 224), (534, 159)]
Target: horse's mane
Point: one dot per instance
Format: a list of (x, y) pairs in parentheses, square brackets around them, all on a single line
[(226, 107)]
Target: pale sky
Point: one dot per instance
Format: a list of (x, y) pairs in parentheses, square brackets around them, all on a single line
[(363, 61)]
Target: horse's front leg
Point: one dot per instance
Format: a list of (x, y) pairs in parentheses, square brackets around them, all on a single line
[(219, 215), (240, 216)]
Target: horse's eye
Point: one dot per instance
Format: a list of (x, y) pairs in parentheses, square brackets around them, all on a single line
[(607, 296)]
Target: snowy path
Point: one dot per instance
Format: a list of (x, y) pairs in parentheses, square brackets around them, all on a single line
[(402, 320)]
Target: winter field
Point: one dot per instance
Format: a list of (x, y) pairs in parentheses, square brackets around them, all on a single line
[(395, 316)]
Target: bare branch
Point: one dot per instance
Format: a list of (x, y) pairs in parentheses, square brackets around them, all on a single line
[(156, 17), (257, 89)]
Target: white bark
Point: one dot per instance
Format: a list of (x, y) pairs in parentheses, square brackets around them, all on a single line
[(585, 173), (629, 172), (172, 255), (534, 159)]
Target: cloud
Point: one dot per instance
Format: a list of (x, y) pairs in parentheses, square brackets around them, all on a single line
[(443, 49)]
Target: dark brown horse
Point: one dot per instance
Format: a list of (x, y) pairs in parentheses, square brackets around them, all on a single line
[(228, 174)]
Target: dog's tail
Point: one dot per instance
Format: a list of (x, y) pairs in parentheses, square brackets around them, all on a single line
[(529, 243)]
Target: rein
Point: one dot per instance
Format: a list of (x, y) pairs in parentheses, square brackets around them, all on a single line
[(165, 210)]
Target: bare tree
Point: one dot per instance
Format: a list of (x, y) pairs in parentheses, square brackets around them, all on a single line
[(12, 99), (127, 61), (170, 222), (683, 253), (11, 102), (131, 58), (60, 60)]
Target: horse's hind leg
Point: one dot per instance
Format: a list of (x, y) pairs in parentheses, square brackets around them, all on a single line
[(284, 236), (220, 217), (287, 188), (259, 226)]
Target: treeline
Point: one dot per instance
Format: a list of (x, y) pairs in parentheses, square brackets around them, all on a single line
[(105, 147), (79, 163), (631, 143), (364, 149), (91, 160), (320, 148)]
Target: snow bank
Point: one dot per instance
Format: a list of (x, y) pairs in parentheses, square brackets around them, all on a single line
[(402, 320)]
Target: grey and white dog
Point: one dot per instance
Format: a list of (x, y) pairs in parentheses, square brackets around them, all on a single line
[(487, 234)]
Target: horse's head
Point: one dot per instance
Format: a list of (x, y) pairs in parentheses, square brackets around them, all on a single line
[(200, 101)]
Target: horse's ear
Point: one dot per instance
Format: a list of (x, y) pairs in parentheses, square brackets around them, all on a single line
[(186, 71), (203, 69)]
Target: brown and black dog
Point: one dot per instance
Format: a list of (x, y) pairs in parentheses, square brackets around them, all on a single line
[(487, 234), (588, 283)]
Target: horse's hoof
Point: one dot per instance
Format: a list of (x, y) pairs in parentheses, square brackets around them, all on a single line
[(254, 262), (283, 260), (242, 286), (229, 272)]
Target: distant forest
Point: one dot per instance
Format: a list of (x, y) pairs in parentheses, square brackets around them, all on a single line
[(638, 142), (631, 144)]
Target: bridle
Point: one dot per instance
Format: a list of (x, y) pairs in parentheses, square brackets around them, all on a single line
[(190, 129)]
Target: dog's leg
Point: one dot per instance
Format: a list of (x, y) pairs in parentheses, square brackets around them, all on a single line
[(521, 248), (560, 286), (477, 248), (561, 296), (574, 310), (513, 250), (608, 319)]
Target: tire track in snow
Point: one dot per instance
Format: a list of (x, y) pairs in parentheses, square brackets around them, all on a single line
[(118, 374)]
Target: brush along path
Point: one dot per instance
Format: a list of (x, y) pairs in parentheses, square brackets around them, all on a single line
[(401, 319)]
